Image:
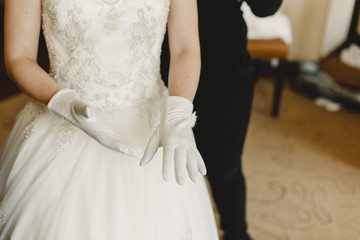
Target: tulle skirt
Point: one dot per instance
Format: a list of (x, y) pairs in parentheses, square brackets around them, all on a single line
[(56, 183)]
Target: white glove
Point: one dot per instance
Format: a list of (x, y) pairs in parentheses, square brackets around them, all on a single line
[(66, 104), (175, 135)]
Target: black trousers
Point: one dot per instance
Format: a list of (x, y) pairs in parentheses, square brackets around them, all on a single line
[(223, 107)]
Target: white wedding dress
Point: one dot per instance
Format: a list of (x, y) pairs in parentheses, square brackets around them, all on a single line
[(56, 183)]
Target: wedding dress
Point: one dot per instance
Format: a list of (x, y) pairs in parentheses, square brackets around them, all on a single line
[(57, 183)]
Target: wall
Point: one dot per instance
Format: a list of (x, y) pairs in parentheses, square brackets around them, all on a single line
[(318, 26), (337, 24), (308, 22)]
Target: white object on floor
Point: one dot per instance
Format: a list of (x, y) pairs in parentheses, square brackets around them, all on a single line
[(327, 104), (272, 27), (351, 56)]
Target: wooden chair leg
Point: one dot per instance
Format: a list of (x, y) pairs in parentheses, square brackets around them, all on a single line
[(278, 86)]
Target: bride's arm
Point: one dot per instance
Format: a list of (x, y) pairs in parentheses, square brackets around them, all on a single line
[(174, 132), (22, 29), (22, 22), (184, 47)]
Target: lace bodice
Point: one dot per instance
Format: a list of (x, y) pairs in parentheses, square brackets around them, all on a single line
[(107, 50)]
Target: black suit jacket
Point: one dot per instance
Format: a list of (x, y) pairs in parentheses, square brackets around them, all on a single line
[(223, 36)]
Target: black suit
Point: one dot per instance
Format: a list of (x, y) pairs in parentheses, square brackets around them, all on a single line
[(223, 103)]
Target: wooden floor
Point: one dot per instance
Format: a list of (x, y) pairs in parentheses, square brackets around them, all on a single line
[(302, 168)]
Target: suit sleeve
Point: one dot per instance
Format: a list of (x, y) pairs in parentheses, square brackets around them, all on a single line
[(264, 8)]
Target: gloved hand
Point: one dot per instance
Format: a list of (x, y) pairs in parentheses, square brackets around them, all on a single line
[(175, 135), (66, 104)]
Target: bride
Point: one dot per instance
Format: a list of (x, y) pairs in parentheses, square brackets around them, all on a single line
[(70, 166)]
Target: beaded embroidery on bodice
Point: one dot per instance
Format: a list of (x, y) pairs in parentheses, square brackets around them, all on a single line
[(107, 50)]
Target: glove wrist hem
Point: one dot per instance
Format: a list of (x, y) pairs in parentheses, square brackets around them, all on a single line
[(59, 94)]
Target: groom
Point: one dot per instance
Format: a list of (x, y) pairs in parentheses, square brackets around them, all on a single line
[(223, 103)]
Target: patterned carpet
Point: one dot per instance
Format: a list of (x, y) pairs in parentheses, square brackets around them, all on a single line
[(302, 168)]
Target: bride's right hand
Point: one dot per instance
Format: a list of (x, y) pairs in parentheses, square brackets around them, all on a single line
[(66, 104)]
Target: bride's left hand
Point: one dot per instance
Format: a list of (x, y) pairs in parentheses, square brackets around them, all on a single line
[(175, 135)]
